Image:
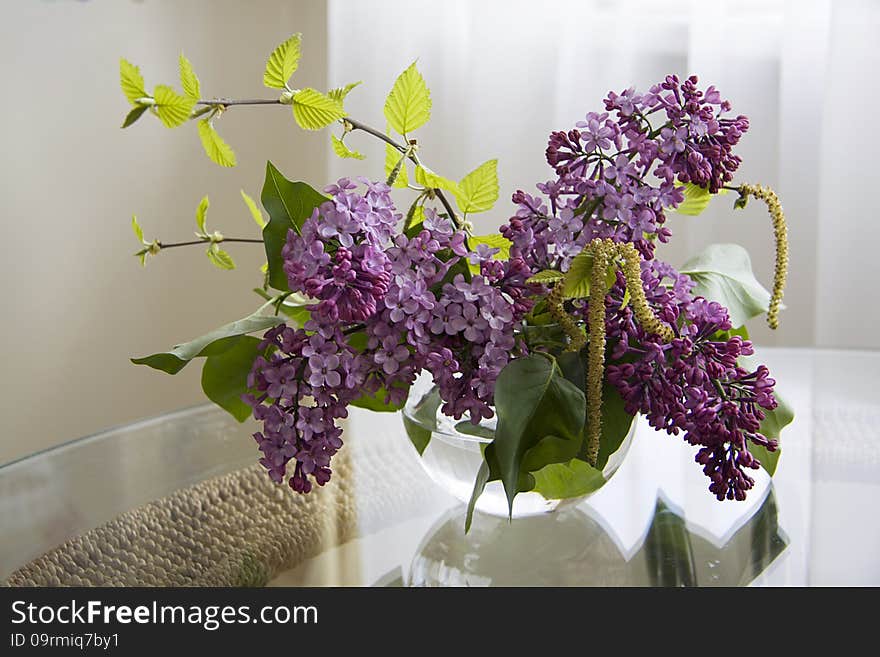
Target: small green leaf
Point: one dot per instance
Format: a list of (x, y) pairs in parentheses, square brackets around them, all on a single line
[(134, 115), (376, 402), (408, 105), (494, 241), (202, 214), (419, 422), (577, 278), (546, 277), (696, 199), (428, 178), (224, 376), (313, 110), (723, 273), (215, 148), (219, 258), (340, 93), (559, 481), (132, 81), (289, 204), (173, 109), (211, 343), (772, 425), (478, 191), (393, 157), (343, 151), (254, 210), (282, 63), (189, 82), (136, 227)]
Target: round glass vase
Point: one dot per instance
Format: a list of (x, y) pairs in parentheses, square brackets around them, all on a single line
[(451, 454)]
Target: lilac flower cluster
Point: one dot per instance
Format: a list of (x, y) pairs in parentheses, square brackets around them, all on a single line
[(617, 175), (693, 384), (388, 305)]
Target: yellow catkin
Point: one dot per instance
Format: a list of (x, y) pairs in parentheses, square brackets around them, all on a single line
[(576, 335), (780, 234)]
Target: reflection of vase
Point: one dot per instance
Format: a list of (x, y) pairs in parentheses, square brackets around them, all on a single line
[(454, 453), (570, 548)]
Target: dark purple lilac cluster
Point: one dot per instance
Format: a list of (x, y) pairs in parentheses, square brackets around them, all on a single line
[(618, 174), (389, 304)]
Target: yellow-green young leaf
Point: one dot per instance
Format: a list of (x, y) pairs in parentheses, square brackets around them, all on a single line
[(696, 199), (134, 115), (428, 178), (255, 211), (219, 257), (188, 80), (131, 80), (408, 106), (340, 93), (202, 214), (344, 151), (173, 109), (313, 110), (282, 63), (546, 277), (493, 241), (215, 148), (577, 279), (392, 159), (478, 191), (136, 227)]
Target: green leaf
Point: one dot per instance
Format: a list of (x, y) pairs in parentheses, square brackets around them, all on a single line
[(408, 105), (772, 425), (136, 227), (173, 109), (616, 423), (132, 81), (533, 400), (419, 421), (558, 481), (289, 204), (723, 273), (468, 428), (393, 157), (546, 277), (224, 376), (219, 258), (202, 214), (696, 199), (215, 342), (478, 191), (577, 278), (428, 178), (282, 63), (215, 148), (188, 80), (254, 210), (483, 475), (340, 93), (313, 110), (376, 402), (134, 115), (493, 241), (343, 151)]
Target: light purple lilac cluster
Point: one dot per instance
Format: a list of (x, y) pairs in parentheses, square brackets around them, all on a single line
[(389, 304), (616, 175)]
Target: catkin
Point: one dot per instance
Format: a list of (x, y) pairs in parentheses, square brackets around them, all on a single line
[(780, 234)]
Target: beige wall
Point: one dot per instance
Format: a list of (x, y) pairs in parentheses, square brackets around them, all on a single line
[(76, 304)]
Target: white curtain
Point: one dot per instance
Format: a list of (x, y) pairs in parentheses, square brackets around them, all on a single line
[(504, 73)]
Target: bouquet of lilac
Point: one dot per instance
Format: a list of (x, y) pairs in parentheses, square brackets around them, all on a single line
[(361, 297)]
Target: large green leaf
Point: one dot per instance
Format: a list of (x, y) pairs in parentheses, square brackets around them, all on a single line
[(408, 105), (213, 343), (772, 425), (215, 148), (424, 416), (132, 81), (616, 423), (558, 481), (314, 110), (533, 401), (172, 108), (282, 63), (478, 191), (224, 376), (289, 204), (723, 273)]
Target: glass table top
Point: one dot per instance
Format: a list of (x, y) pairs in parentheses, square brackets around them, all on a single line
[(654, 523)]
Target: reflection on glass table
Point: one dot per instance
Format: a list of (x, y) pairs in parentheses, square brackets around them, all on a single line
[(381, 521)]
